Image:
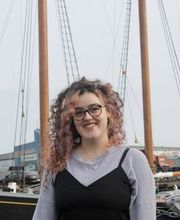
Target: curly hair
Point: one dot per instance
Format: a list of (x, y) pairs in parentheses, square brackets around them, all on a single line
[(63, 134)]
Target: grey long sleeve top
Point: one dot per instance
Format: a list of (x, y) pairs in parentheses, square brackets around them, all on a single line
[(136, 167)]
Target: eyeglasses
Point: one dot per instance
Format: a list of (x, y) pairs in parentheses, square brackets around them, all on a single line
[(94, 110)]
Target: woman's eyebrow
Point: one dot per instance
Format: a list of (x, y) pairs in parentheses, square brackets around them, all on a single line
[(79, 108)]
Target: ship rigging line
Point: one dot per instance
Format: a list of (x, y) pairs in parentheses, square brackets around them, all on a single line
[(20, 82), (114, 34), (9, 13), (130, 110), (72, 70), (170, 44), (124, 55), (132, 121), (121, 85), (122, 76), (24, 82)]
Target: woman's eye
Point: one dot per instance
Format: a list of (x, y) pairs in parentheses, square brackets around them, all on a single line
[(94, 109), (79, 113)]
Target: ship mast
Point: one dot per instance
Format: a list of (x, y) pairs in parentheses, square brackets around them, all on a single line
[(43, 75), (145, 83), (43, 78)]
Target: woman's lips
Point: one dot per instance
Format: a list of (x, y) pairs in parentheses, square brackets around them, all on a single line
[(89, 125)]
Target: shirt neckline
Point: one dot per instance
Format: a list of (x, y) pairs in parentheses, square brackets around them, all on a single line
[(96, 159)]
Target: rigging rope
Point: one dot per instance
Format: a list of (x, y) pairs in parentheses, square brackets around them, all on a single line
[(171, 214), (24, 83), (124, 55), (122, 77), (114, 34), (171, 46), (132, 121), (72, 70), (9, 13)]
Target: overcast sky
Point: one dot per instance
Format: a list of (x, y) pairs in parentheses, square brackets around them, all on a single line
[(94, 26)]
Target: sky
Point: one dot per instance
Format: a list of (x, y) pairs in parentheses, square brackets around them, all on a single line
[(97, 30)]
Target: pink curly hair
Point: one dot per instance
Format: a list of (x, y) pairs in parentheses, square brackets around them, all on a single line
[(63, 134)]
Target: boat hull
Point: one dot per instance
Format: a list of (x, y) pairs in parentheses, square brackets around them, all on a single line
[(21, 206), (17, 207)]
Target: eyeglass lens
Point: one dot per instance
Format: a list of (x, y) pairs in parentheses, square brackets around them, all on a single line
[(94, 110)]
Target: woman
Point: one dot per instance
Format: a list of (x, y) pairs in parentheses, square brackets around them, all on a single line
[(89, 174)]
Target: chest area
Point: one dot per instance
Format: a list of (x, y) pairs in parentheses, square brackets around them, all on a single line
[(111, 191)]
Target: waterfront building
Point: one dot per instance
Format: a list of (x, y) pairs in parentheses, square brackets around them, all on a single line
[(28, 155)]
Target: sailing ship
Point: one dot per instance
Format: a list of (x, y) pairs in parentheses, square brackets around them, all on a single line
[(21, 205)]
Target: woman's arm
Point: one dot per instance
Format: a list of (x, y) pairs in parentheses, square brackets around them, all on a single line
[(143, 203), (45, 209)]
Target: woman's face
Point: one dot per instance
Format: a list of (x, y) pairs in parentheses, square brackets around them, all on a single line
[(90, 118)]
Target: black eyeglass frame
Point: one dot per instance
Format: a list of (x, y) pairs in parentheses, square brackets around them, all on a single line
[(84, 110)]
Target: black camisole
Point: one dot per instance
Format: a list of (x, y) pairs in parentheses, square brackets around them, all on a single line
[(107, 198)]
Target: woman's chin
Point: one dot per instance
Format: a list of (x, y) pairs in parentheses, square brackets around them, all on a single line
[(90, 137)]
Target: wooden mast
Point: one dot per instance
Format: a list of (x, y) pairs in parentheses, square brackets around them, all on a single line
[(43, 75), (145, 82)]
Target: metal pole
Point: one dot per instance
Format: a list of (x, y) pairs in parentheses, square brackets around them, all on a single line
[(145, 82), (43, 75)]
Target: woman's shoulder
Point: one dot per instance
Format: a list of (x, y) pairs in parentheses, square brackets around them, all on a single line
[(135, 164), (134, 159), (135, 153), (129, 157), (132, 153)]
